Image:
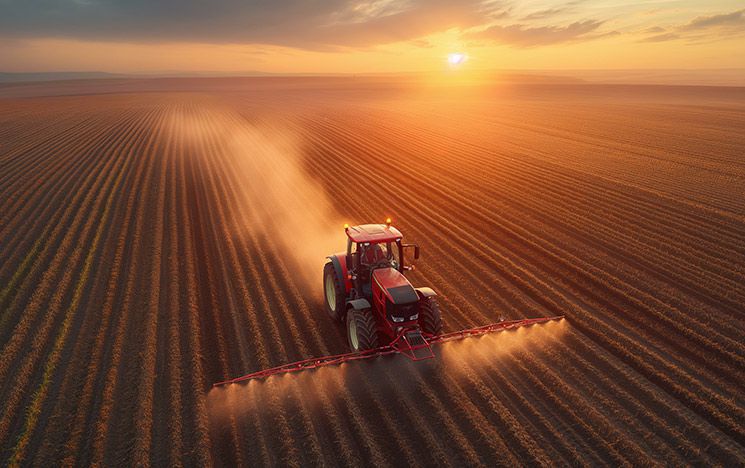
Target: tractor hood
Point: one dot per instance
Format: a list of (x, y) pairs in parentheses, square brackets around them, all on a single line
[(396, 286)]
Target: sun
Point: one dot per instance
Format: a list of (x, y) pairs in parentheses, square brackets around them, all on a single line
[(457, 58)]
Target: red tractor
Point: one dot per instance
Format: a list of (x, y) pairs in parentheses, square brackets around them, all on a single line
[(366, 287)]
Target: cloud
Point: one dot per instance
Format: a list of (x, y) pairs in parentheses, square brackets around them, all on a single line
[(306, 24), (718, 26), (327, 24), (661, 37), (421, 43), (735, 19), (568, 7), (543, 14), (500, 14), (525, 36)]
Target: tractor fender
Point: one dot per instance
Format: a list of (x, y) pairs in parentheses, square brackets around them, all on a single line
[(358, 304), (340, 267), (425, 292)]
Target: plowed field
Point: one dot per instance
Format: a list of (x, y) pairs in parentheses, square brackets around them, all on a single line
[(159, 236)]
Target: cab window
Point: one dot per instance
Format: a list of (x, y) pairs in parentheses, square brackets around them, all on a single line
[(394, 254)]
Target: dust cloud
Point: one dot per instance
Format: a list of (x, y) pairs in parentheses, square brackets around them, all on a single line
[(316, 391), (275, 395), (491, 348), (289, 205), (280, 208), (463, 361)]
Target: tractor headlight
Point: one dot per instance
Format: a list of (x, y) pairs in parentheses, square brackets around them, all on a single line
[(398, 319), (414, 317)]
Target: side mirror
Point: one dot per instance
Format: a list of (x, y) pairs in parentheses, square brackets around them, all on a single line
[(416, 249)]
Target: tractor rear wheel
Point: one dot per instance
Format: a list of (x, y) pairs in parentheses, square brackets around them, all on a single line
[(362, 331), (333, 293), (430, 319)]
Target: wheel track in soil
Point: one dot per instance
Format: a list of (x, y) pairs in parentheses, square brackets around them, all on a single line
[(33, 409), (19, 245), (97, 421), (20, 331), (482, 152), (88, 338), (592, 165), (32, 261)]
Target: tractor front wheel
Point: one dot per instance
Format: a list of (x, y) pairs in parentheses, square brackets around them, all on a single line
[(333, 292), (362, 331), (430, 319)]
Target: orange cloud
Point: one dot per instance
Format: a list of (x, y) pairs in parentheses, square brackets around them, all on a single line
[(526, 36), (712, 27)]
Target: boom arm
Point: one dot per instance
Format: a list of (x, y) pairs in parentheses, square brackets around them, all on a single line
[(401, 345)]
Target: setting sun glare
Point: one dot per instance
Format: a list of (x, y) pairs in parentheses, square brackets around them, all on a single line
[(456, 59)]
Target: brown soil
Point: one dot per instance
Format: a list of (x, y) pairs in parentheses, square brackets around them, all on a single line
[(157, 236)]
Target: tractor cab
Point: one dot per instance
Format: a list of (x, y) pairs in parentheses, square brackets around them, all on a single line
[(366, 286), (372, 247)]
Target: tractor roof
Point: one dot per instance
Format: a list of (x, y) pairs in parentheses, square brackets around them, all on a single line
[(373, 233)]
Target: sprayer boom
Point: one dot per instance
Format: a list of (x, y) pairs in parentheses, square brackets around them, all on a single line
[(411, 343)]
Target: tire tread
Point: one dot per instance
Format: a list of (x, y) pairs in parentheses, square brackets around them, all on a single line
[(367, 329), (430, 319)]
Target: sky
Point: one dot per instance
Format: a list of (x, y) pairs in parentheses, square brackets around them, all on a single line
[(369, 36)]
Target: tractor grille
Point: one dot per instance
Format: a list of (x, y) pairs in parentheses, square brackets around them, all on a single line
[(403, 312)]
